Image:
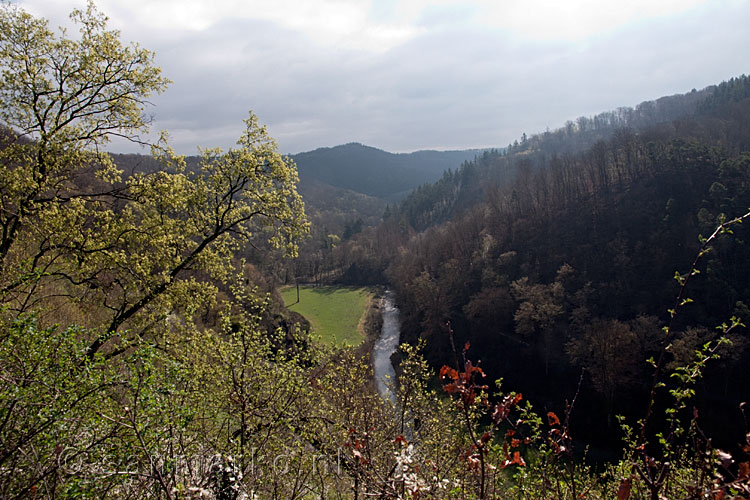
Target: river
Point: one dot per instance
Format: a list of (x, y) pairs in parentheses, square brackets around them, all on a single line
[(385, 346)]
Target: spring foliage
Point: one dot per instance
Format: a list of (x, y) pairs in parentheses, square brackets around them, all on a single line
[(136, 359)]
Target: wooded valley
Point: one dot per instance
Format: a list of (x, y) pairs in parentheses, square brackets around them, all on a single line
[(572, 305), (557, 257)]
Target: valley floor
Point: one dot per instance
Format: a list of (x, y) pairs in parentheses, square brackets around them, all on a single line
[(335, 313)]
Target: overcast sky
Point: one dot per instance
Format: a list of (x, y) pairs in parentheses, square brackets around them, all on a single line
[(417, 74)]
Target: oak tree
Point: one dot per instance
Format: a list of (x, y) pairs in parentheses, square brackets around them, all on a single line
[(90, 245)]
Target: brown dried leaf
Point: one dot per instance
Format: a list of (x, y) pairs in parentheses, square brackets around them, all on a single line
[(623, 492)]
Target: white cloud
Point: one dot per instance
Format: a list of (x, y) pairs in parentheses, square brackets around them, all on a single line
[(380, 25), (324, 22), (410, 74), (555, 20), (576, 19)]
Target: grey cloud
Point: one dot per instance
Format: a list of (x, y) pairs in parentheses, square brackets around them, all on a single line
[(453, 86)]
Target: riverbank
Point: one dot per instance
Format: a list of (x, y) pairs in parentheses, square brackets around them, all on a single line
[(332, 312), (371, 322)]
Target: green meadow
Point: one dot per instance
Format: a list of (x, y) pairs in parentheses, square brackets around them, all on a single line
[(333, 312)]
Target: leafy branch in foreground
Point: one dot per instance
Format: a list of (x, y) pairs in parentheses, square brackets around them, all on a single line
[(61, 99), (82, 243), (682, 449)]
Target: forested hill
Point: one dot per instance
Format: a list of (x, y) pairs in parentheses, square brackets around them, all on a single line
[(353, 167), (375, 172), (460, 189), (348, 184), (558, 258)]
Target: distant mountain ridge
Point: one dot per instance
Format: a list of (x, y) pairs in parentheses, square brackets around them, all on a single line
[(377, 173), (349, 184), (353, 167)]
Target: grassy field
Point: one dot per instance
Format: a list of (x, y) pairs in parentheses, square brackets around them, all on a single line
[(334, 312)]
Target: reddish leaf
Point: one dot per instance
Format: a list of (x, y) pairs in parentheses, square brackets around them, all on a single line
[(451, 388), (400, 440), (518, 459), (744, 471), (515, 399), (553, 420), (470, 368), (499, 413), (466, 346), (447, 371)]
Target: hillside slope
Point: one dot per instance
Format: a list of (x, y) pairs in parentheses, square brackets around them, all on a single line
[(374, 172), (560, 265)]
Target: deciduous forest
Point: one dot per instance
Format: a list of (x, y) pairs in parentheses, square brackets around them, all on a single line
[(572, 306)]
